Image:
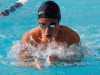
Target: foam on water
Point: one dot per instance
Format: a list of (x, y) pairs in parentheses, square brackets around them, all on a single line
[(63, 52), (2, 36)]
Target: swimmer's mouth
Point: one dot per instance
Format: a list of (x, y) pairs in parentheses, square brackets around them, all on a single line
[(48, 36)]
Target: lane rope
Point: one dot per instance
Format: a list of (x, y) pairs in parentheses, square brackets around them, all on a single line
[(13, 7)]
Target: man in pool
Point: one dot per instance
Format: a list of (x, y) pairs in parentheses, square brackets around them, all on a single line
[(48, 31)]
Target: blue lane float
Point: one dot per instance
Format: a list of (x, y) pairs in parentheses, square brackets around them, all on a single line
[(12, 8)]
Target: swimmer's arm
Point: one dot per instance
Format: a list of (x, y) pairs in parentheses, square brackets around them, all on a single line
[(36, 63), (24, 57), (24, 54)]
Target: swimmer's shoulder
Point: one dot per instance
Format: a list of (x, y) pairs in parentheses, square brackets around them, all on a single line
[(70, 34), (33, 33), (68, 30)]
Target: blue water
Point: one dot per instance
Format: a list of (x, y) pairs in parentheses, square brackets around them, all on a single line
[(83, 16)]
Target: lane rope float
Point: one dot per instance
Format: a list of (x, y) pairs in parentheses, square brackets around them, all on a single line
[(13, 7)]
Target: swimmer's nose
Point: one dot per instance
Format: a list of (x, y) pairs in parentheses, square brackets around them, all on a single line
[(47, 30)]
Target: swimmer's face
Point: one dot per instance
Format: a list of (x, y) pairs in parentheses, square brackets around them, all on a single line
[(49, 27)]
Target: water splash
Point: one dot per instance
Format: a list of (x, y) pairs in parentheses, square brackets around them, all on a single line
[(22, 1), (2, 36), (62, 51)]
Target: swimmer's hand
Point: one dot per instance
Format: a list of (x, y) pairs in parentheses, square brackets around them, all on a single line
[(36, 63), (52, 59)]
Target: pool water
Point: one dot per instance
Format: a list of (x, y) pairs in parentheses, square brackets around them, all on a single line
[(83, 16)]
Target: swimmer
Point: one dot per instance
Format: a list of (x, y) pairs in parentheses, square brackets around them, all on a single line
[(49, 30)]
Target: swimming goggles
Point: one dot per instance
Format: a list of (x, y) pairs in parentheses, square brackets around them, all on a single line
[(52, 25)]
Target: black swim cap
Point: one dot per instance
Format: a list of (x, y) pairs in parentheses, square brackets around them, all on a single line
[(49, 9)]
